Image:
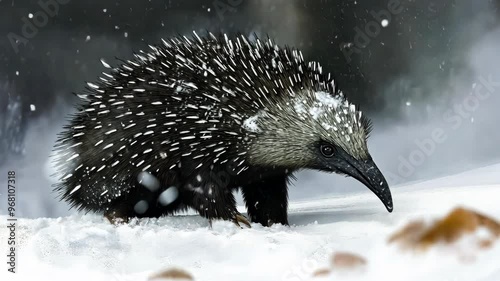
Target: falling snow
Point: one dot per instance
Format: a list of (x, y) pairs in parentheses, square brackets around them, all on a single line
[(168, 196), (149, 181), (141, 207)]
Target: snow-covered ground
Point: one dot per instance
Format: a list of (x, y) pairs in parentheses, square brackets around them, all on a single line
[(89, 248)]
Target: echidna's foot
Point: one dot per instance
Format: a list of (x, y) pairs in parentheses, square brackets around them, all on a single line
[(116, 218), (239, 218)]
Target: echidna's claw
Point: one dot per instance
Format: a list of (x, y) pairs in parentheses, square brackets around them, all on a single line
[(240, 218), (116, 219)]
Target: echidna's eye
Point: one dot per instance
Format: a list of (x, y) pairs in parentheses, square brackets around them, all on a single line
[(327, 150)]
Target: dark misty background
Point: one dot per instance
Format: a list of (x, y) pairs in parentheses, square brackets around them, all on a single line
[(409, 78)]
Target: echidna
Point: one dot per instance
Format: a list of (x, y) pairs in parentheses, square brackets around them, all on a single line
[(187, 123)]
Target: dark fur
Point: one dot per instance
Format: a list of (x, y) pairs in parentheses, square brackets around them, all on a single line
[(265, 193)]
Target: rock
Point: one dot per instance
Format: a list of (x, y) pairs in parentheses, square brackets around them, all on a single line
[(343, 260), (486, 243), (172, 274), (409, 235), (447, 230), (322, 272)]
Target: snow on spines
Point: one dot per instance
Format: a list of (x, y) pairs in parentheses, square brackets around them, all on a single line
[(183, 100)]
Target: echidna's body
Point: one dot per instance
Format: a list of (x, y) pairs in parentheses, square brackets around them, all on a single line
[(192, 120)]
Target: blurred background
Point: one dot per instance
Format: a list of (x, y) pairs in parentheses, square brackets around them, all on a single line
[(427, 73)]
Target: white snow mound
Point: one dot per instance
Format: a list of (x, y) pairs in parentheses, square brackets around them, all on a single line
[(88, 247)]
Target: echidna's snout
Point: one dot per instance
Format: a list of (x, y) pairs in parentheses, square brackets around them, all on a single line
[(367, 172), (364, 170)]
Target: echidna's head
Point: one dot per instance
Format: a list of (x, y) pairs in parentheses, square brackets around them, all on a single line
[(316, 130)]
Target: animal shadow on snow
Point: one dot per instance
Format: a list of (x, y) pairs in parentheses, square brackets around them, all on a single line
[(329, 215)]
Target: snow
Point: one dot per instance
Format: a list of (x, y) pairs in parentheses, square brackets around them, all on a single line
[(88, 247), (250, 123), (323, 101), (325, 98)]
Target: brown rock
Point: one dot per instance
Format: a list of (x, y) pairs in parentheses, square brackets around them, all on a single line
[(485, 243), (172, 274), (322, 272), (410, 234), (344, 260), (489, 223), (449, 229)]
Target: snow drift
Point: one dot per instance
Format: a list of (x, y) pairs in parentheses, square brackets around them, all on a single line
[(87, 247)]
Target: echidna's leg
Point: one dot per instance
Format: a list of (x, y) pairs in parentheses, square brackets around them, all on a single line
[(216, 202), (267, 200)]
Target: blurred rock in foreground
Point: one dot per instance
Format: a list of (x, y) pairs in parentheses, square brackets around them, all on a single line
[(458, 223), (171, 274)]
